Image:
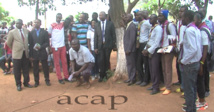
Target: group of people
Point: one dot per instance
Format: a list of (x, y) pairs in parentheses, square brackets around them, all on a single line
[(151, 43), (83, 49)]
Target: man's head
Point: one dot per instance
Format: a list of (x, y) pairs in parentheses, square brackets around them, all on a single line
[(94, 16), (82, 18), (139, 16), (102, 16), (210, 18), (163, 16), (58, 17), (86, 16), (198, 18), (4, 24), (19, 23), (203, 11), (135, 12), (187, 17), (71, 17), (153, 19), (128, 18), (75, 44), (67, 22), (181, 11), (93, 24), (37, 23)]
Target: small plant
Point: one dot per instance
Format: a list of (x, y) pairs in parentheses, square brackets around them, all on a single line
[(109, 75)]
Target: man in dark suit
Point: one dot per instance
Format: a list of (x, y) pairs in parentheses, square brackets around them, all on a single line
[(104, 42), (38, 41), (18, 42), (130, 47)]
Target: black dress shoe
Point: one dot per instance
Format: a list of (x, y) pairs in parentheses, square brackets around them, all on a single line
[(36, 84), (126, 81), (150, 88), (177, 83), (143, 84), (61, 82), (155, 91), (138, 82), (48, 83), (67, 80), (131, 83), (100, 80), (28, 85), (19, 88)]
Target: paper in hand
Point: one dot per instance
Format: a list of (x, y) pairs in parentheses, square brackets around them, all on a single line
[(71, 76)]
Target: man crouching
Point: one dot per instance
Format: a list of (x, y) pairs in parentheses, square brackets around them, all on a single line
[(82, 62)]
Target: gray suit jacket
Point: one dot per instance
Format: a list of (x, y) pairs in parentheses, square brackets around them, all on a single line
[(43, 40), (15, 42), (130, 38), (110, 36)]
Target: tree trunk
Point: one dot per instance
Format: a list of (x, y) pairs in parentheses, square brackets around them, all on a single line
[(116, 10), (37, 9)]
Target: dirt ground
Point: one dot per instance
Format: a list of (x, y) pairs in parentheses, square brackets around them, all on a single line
[(44, 98)]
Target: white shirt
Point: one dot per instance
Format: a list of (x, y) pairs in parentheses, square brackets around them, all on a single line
[(205, 39), (101, 25), (155, 39), (172, 31), (192, 47), (82, 56), (57, 35), (90, 35), (144, 31)]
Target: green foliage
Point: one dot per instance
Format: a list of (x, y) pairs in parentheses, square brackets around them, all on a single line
[(4, 15), (109, 74)]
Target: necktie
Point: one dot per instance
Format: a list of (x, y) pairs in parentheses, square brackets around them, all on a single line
[(103, 31), (22, 35)]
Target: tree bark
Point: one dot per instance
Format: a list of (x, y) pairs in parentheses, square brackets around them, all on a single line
[(116, 10), (131, 6), (37, 9)]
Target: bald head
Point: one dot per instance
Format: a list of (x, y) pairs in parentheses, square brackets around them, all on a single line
[(145, 14), (153, 19), (128, 18), (75, 41), (102, 16), (19, 23)]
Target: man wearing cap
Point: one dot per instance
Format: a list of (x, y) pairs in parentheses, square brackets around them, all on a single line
[(135, 14), (166, 58)]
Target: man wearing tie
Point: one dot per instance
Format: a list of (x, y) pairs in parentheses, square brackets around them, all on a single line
[(104, 42), (18, 41), (39, 40)]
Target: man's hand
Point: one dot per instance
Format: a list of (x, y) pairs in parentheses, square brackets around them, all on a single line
[(31, 59), (77, 73), (127, 53), (115, 49), (201, 70), (145, 52), (96, 51)]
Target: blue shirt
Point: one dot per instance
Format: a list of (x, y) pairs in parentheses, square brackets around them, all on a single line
[(37, 32), (81, 30)]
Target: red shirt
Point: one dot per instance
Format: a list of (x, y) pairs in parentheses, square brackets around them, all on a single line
[(9, 51)]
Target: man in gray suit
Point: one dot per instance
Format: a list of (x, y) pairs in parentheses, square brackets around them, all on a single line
[(38, 41), (18, 42), (104, 42), (130, 47)]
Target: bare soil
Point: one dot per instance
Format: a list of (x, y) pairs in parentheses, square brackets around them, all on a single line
[(44, 98)]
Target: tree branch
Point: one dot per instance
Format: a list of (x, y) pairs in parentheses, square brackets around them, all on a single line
[(162, 4), (129, 2), (131, 5)]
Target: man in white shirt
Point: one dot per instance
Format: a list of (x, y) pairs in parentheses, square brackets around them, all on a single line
[(151, 51), (191, 54), (142, 61), (166, 58), (82, 62), (205, 34), (56, 30)]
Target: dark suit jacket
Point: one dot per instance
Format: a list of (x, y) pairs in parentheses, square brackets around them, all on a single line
[(43, 40), (110, 36), (130, 38)]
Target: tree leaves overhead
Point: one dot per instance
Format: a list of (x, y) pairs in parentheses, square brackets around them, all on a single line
[(4, 15)]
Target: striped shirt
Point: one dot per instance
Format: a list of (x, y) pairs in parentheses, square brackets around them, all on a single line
[(81, 30)]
